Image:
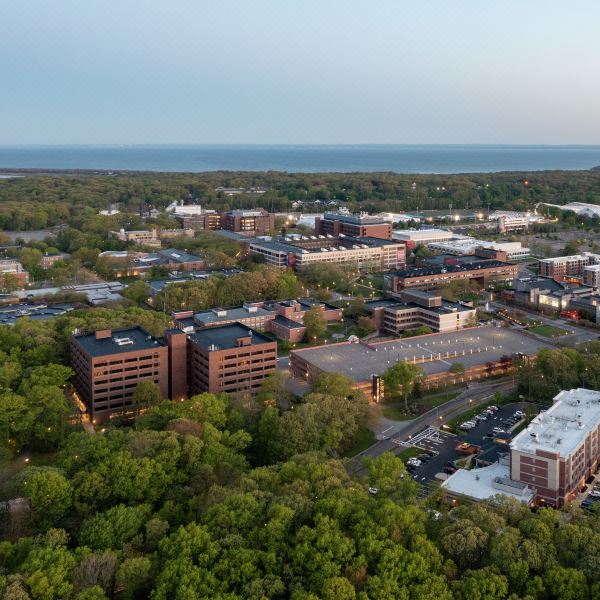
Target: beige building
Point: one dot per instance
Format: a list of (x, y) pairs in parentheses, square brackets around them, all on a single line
[(299, 251), (415, 308)]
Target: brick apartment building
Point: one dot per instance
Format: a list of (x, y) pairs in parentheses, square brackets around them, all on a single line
[(484, 272), (362, 225), (560, 448), (567, 266), (108, 365), (248, 222), (230, 358)]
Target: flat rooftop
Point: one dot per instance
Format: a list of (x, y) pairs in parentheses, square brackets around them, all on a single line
[(11, 313), (225, 336), (486, 482), (238, 312), (139, 338), (354, 219), (564, 426), (473, 346), (449, 268)]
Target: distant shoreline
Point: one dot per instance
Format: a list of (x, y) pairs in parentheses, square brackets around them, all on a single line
[(398, 159)]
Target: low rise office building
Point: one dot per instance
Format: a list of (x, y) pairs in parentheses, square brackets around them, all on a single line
[(468, 245), (298, 251), (484, 272), (248, 222), (415, 308), (361, 225), (423, 237)]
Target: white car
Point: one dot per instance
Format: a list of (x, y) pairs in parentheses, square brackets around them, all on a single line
[(498, 430), (373, 491)]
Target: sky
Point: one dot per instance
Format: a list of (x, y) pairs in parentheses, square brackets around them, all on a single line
[(299, 71)]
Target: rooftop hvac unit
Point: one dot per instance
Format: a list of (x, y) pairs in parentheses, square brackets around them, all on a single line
[(123, 341)]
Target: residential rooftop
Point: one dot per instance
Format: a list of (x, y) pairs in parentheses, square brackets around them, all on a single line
[(564, 426), (225, 337), (119, 341)]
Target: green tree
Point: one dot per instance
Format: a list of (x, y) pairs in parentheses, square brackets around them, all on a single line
[(49, 492), (315, 324), (137, 292), (402, 377), (146, 395), (134, 577)]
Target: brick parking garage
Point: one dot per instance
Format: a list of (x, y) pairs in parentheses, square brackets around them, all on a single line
[(484, 351)]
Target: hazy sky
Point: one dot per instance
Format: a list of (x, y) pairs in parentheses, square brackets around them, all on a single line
[(299, 71)]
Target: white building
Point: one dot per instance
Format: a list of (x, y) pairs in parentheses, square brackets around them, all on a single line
[(486, 482), (423, 236), (467, 245)]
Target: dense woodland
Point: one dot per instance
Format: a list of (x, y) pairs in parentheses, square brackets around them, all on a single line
[(252, 498), (38, 201), (235, 497)]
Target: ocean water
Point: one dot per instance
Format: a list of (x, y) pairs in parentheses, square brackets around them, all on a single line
[(304, 158)]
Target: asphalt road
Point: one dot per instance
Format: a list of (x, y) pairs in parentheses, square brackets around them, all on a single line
[(477, 394)]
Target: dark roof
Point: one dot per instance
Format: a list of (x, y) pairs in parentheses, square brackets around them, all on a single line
[(289, 323), (11, 313), (225, 336), (438, 270), (140, 338)]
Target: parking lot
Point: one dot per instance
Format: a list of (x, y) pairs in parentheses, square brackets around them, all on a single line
[(442, 444)]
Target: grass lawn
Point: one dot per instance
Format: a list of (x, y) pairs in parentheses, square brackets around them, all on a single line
[(396, 411), (364, 439), (409, 453), (549, 331)]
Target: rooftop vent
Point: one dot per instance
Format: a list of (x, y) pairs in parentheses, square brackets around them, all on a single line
[(125, 341)]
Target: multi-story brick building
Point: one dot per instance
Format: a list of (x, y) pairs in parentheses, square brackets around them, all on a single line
[(299, 251), (484, 272), (567, 266), (362, 225), (12, 274), (108, 365), (560, 448), (282, 318), (229, 358), (248, 222)]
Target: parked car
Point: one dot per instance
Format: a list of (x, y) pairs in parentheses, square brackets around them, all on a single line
[(373, 491), (450, 470), (498, 430)]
